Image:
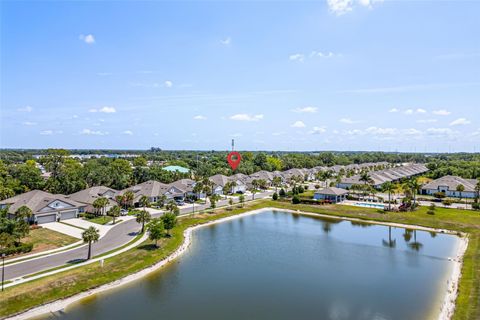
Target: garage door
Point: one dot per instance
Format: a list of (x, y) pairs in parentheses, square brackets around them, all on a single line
[(68, 215), (47, 218)]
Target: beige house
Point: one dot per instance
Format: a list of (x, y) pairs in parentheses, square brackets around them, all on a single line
[(88, 196), (46, 207)]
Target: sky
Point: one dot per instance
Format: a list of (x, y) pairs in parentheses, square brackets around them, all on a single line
[(290, 75)]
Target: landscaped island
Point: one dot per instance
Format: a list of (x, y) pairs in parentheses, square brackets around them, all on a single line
[(43, 290)]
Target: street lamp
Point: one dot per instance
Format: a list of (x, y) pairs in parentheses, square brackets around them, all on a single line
[(3, 268)]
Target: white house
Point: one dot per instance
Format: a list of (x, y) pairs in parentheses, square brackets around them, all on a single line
[(448, 185)]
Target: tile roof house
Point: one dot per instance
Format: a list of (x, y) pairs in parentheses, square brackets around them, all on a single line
[(88, 196), (449, 184), (45, 206), (152, 189)]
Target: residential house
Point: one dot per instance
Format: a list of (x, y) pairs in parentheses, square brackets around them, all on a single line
[(448, 185), (88, 196), (152, 189), (45, 206)]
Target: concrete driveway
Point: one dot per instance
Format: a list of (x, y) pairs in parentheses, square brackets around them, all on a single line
[(84, 224), (63, 228)]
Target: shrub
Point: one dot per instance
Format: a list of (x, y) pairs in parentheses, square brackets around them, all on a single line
[(20, 248), (439, 195), (317, 186), (447, 202), (87, 215), (275, 196), (476, 206), (300, 189), (295, 199), (282, 193)]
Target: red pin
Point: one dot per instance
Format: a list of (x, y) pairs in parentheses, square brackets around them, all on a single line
[(234, 159)]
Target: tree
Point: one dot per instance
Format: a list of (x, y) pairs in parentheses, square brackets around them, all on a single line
[(366, 179), (89, 236), (477, 191), (156, 230), (389, 188), (460, 188), (120, 173), (295, 199), (282, 193), (275, 196), (213, 200), (143, 217), (21, 226), (172, 207), (241, 198), (161, 200), (144, 202), (169, 221), (128, 199), (230, 202), (414, 186), (227, 188), (114, 212), (101, 205), (276, 182)]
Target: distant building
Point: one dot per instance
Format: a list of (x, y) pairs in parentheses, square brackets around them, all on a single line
[(176, 169), (448, 185), (331, 194)]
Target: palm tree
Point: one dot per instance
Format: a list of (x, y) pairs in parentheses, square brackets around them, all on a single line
[(241, 199), (366, 179), (143, 216), (415, 245), (389, 187), (90, 235), (156, 230), (128, 198), (100, 203), (97, 204), (477, 190), (460, 189), (114, 212), (120, 200), (414, 186), (144, 202), (276, 181)]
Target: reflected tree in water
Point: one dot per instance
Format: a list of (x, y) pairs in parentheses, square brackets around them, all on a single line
[(407, 235), (390, 243), (415, 245)]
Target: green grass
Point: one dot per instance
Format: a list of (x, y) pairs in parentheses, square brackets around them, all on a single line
[(68, 283), (101, 220)]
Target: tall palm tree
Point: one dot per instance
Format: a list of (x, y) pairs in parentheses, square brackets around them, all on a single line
[(389, 187), (414, 186), (114, 212), (128, 198), (89, 236), (97, 205), (366, 179), (276, 181), (143, 217), (460, 188), (144, 202)]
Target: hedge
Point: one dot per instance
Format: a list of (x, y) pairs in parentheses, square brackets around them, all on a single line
[(21, 248)]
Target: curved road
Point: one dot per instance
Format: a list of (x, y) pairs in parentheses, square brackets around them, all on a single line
[(115, 237)]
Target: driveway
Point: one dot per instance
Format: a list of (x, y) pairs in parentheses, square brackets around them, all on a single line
[(63, 228), (84, 224)]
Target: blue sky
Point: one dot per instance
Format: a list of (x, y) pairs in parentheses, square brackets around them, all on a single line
[(332, 75)]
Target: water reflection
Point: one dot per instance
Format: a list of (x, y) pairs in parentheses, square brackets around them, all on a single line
[(390, 243)]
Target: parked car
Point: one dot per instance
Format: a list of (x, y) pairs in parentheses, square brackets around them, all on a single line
[(180, 202), (123, 212)]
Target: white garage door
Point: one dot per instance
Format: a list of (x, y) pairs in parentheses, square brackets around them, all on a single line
[(68, 215), (47, 218)]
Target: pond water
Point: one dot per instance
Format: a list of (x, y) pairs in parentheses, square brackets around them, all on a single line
[(276, 265)]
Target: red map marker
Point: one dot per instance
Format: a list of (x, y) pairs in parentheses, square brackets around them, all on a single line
[(234, 159)]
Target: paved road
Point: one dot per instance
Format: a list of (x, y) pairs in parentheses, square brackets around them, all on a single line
[(116, 237)]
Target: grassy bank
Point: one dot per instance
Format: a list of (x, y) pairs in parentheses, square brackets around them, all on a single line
[(41, 291)]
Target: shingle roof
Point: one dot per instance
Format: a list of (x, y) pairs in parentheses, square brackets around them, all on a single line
[(452, 182), (36, 200), (91, 194), (149, 188), (332, 191)]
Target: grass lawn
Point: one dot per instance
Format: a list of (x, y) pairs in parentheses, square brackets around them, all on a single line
[(102, 220), (44, 239), (68, 283)]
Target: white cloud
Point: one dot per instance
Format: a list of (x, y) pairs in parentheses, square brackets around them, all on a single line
[(200, 117), (168, 84), (340, 7), (412, 132), (246, 117), (29, 123), (128, 132), (93, 133), (419, 110), (426, 120), (103, 110), (381, 131), (227, 41), (393, 110), (319, 54), (441, 132), (409, 111), (46, 132), (298, 124), (305, 110), (25, 109), (89, 38), (318, 130), (442, 112), (460, 122), (348, 121), (297, 57)]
